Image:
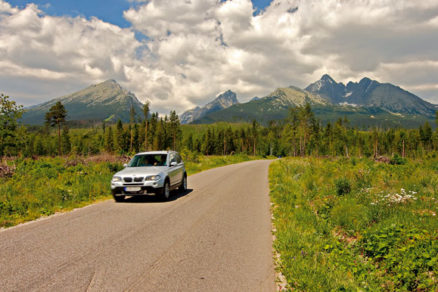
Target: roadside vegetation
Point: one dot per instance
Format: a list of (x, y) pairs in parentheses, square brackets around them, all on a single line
[(196, 163), (352, 224), (31, 188)]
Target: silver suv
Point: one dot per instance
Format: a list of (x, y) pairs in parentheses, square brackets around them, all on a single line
[(156, 172)]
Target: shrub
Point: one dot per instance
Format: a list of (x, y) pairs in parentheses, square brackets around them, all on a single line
[(343, 186), (397, 160)]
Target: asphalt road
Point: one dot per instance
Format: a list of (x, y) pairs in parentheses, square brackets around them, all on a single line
[(215, 237)]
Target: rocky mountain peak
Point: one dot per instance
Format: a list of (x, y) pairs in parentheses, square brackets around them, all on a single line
[(222, 101), (327, 78), (226, 99), (104, 101), (373, 94)]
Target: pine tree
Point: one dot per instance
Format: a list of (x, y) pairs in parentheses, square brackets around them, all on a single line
[(66, 144), (118, 137), (109, 140), (146, 124), (136, 138), (174, 128), (56, 117), (254, 132), (131, 129)]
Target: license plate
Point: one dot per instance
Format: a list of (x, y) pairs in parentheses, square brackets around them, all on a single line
[(132, 189)]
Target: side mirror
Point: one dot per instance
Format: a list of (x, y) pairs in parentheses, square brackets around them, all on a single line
[(173, 163), (125, 165)]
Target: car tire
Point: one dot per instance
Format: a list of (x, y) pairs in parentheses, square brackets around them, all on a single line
[(119, 199), (165, 191), (183, 186)]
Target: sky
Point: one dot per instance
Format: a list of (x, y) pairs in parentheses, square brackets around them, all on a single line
[(181, 53)]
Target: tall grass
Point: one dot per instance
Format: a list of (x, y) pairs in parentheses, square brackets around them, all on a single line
[(195, 163), (47, 185), (354, 224)]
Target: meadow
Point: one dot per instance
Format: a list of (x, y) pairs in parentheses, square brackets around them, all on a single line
[(356, 224), (31, 188)]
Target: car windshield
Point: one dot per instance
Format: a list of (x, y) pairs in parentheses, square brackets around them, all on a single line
[(145, 160)]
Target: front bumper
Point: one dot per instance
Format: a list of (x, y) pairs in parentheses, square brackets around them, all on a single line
[(120, 188), (144, 190)]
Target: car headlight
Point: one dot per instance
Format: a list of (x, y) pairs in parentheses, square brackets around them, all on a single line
[(153, 177), (116, 179)]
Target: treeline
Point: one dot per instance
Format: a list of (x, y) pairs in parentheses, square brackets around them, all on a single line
[(300, 134)]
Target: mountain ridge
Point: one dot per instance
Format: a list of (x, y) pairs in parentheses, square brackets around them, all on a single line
[(371, 93), (372, 104), (107, 100), (221, 101)]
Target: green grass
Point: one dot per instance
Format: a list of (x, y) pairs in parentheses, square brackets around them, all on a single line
[(354, 224), (197, 164), (49, 185)]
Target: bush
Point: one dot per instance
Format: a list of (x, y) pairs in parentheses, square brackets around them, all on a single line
[(397, 160), (343, 186)]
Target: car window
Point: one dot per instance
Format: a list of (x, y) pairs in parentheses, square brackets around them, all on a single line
[(178, 158), (145, 160)]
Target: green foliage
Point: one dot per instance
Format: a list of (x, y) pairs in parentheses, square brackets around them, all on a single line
[(45, 186), (409, 256), (343, 186), (382, 236), (56, 114), (56, 117), (197, 163), (397, 160), (10, 112)]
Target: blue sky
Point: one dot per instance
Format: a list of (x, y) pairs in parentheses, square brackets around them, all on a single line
[(107, 10)]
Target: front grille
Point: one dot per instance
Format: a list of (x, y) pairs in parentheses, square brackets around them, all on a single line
[(135, 179)]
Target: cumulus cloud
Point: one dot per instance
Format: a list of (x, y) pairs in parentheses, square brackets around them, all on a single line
[(193, 49), (60, 49)]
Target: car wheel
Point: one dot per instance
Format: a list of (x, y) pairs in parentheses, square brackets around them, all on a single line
[(183, 186), (165, 191), (119, 198)]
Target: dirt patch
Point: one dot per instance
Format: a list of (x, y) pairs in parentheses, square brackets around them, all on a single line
[(7, 170)]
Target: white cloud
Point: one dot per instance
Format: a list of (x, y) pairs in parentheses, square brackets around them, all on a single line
[(197, 48)]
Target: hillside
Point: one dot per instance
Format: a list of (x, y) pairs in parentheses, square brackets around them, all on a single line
[(104, 101), (272, 107)]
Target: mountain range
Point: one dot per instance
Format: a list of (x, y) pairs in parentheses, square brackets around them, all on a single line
[(365, 103), (106, 101), (370, 93)]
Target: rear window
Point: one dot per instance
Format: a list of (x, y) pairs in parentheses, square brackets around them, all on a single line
[(145, 160)]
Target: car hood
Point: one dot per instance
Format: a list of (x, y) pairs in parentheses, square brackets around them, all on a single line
[(141, 171)]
